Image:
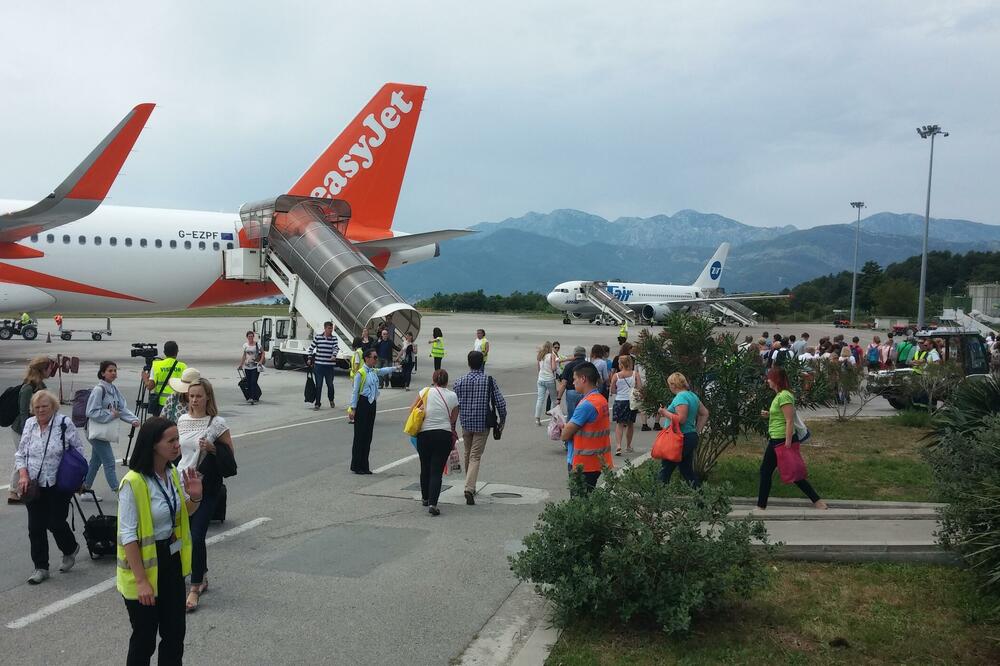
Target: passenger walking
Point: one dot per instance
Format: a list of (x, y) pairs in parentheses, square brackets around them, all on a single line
[(622, 383), (154, 542), (105, 407), (408, 359), (206, 448), (482, 345), (589, 428), (567, 392), (687, 409), (603, 370), (162, 371), (384, 347), (475, 391), (437, 347), (436, 438), (873, 354), (781, 432), (252, 361), (323, 356), (34, 381), (366, 342), (364, 396), (37, 461), (546, 380)]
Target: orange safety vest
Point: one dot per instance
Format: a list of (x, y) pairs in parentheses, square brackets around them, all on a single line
[(592, 442)]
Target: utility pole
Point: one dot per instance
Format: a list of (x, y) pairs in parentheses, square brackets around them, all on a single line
[(857, 242), (924, 132)]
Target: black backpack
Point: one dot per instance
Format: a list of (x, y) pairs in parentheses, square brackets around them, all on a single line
[(781, 357), (9, 405)]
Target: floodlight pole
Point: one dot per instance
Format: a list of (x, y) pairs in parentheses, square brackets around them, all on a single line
[(924, 132), (857, 242)]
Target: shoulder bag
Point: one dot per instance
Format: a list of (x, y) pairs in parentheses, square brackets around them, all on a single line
[(107, 432), (415, 421), (72, 466), (635, 398), (492, 420)]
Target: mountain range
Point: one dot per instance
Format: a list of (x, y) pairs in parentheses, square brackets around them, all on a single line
[(538, 250)]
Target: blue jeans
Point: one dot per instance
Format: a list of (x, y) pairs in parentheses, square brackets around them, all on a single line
[(686, 464), (199, 529), (323, 372), (572, 398), (544, 388), (101, 454)]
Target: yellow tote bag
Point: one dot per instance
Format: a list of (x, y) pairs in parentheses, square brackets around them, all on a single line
[(415, 420)]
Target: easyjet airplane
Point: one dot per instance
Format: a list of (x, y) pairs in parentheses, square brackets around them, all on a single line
[(68, 253)]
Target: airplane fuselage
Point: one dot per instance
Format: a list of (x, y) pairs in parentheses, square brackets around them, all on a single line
[(568, 296)]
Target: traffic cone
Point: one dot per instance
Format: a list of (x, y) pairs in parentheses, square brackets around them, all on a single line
[(48, 338)]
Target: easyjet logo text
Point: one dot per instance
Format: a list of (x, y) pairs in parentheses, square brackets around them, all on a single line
[(361, 155)]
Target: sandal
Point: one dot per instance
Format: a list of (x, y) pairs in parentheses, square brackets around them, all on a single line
[(194, 596), (618, 451)]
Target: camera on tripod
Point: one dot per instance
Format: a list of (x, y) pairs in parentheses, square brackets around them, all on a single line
[(146, 350)]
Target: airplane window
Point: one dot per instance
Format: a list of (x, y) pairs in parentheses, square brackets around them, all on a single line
[(173, 245), (50, 238), (187, 245), (34, 238), (128, 242), (113, 241), (66, 239), (201, 245), (142, 242), (229, 246), (159, 243), (215, 246), (97, 240), (82, 240)]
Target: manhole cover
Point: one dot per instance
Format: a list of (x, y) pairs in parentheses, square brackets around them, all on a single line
[(506, 495)]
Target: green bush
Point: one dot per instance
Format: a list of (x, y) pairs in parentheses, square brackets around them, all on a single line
[(638, 549), (967, 475)]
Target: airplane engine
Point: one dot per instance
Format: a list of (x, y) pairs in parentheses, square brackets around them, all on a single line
[(413, 255), (655, 312)]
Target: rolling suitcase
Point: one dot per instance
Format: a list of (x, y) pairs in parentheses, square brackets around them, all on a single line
[(245, 388), (396, 379), (100, 532)]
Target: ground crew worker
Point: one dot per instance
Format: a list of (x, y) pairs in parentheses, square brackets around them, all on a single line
[(162, 371), (437, 347), (920, 357), (623, 333), (25, 319), (482, 345), (356, 356), (590, 426), (59, 320)]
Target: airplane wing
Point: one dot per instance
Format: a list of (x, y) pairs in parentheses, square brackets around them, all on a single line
[(409, 241), (723, 299), (85, 188)]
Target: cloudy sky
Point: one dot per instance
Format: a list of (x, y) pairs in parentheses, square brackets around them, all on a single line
[(767, 112)]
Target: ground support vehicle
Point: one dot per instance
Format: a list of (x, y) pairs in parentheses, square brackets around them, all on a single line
[(11, 327), (95, 333)]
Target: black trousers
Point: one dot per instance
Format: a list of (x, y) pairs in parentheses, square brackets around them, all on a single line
[(686, 464), (166, 616), (364, 423), (323, 372), (767, 467), (407, 373), (437, 363), (48, 514), (253, 382), (433, 447)]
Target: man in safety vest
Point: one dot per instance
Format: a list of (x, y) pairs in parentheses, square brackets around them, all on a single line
[(158, 383), (25, 319), (481, 344), (623, 333), (589, 427), (921, 358)]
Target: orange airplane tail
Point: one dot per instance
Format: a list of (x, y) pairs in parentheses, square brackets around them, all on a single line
[(366, 163)]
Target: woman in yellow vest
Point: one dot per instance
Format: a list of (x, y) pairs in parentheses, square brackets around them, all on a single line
[(437, 347), (154, 542)]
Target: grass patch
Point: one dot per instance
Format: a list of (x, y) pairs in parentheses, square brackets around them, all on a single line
[(911, 418), (817, 614), (871, 459)]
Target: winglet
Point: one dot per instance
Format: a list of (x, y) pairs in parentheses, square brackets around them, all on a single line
[(94, 176)]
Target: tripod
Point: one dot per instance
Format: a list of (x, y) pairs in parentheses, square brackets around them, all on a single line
[(141, 408)]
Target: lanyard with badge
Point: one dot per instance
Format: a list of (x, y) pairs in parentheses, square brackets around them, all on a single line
[(173, 503)]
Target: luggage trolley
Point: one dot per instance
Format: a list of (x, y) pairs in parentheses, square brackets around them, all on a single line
[(95, 333)]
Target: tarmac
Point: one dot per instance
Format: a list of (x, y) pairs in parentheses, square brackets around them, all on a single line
[(315, 564)]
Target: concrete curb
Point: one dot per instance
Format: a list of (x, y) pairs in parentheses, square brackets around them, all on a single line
[(786, 502), (796, 513), (517, 634)]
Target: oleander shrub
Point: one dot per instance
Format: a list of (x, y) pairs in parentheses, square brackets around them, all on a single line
[(640, 550)]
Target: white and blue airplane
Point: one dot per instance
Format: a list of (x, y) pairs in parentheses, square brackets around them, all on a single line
[(652, 302)]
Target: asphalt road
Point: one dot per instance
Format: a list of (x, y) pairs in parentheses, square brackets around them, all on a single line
[(332, 567)]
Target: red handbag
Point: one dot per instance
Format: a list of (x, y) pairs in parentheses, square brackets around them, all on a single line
[(791, 466), (669, 444)]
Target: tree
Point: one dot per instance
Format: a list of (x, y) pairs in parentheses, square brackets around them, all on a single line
[(868, 279), (895, 296)]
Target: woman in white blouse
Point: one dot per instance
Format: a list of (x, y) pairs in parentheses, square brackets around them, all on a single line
[(437, 436), (203, 434), (37, 460), (548, 361)]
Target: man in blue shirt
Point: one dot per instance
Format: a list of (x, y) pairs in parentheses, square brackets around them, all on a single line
[(362, 410)]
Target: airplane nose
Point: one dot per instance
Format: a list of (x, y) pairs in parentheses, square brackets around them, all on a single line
[(552, 299)]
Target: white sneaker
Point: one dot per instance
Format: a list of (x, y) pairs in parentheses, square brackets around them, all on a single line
[(38, 576), (69, 560)]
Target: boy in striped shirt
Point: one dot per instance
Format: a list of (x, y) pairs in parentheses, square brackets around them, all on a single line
[(323, 357)]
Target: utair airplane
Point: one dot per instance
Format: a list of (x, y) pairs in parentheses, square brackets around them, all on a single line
[(67, 253), (651, 301)]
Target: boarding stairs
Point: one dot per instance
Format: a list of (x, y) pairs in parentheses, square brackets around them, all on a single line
[(610, 308), (966, 321), (299, 245), (736, 311)]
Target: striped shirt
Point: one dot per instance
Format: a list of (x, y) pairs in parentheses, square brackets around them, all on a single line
[(324, 349)]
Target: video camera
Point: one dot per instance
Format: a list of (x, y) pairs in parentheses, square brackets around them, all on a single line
[(146, 350)]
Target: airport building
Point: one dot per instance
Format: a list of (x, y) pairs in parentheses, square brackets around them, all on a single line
[(985, 298)]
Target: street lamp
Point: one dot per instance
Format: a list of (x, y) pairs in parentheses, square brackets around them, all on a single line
[(857, 241), (924, 132)]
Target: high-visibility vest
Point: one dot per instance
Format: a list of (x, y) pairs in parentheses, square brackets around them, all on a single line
[(921, 356), (623, 331), (147, 541), (484, 346), (592, 442), (161, 378), (357, 360), (25, 318), (437, 348)]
